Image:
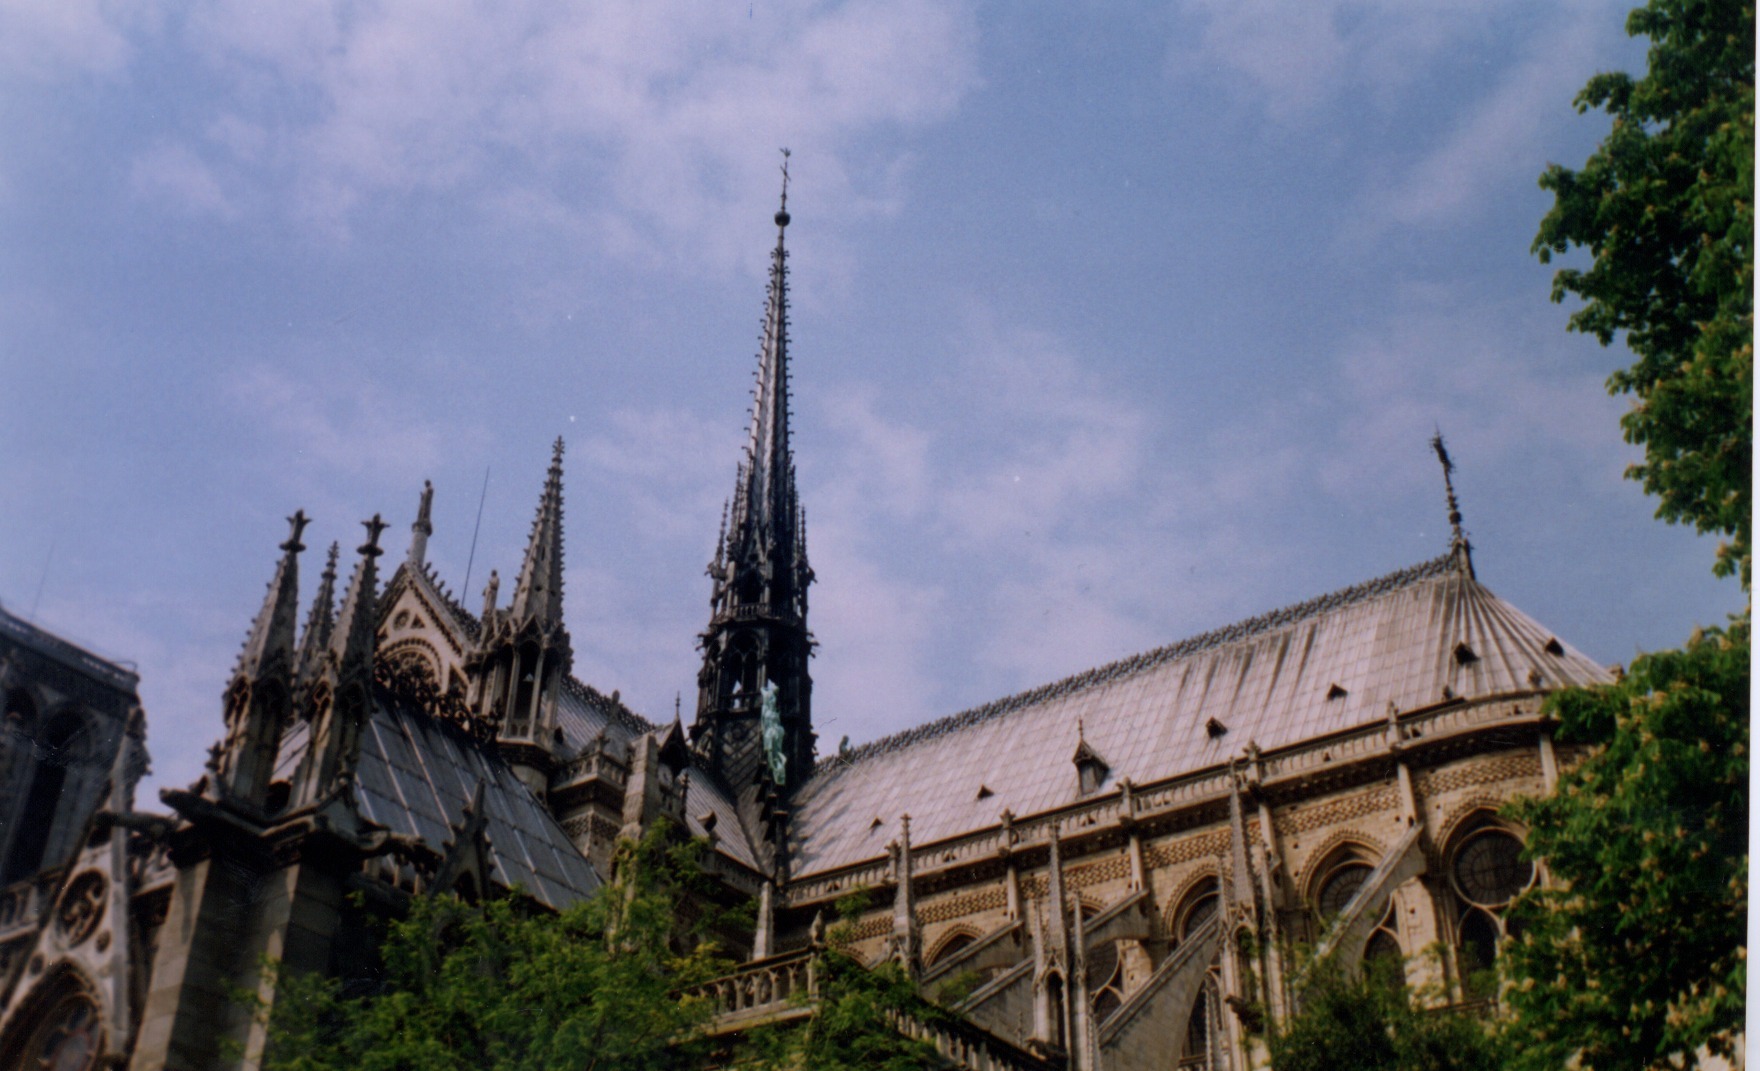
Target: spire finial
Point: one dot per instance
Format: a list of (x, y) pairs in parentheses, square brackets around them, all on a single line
[(298, 521), (374, 527), (782, 213), (1458, 543)]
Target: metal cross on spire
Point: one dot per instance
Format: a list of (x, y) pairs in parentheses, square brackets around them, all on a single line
[(782, 213)]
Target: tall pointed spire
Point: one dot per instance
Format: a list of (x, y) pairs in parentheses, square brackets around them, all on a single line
[(523, 654), (764, 506), (321, 621), (538, 593), (757, 643), (1458, 544)]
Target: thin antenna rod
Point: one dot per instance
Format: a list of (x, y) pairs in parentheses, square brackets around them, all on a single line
[(41, 578), (478, 527)]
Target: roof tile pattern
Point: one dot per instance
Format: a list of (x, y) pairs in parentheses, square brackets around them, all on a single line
[(417, 775), (1320, 667)]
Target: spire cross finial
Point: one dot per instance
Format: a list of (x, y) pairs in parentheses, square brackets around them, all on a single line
[(1454, 509), (298, 521), (373, 527), (782, 213)]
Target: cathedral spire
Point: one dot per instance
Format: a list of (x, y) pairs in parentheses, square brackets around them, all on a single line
[(754, 701), (764, 509), (538, 592)]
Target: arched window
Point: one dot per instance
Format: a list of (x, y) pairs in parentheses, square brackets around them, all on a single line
[(54, 747), (1341, 879), (60, 1029), (1105, 978), (1486, 871), (1202, 1034), (949, 946)]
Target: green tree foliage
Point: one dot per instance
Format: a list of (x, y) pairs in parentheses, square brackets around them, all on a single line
[(505, 987), (1633, 955), (851, 1025), (1666, 207), (1368, 1021)]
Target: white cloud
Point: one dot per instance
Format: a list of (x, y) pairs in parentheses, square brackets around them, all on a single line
[(1505, 134), (173, 174), (337, 424), (49, 39), (655, 122), (1294, 56)]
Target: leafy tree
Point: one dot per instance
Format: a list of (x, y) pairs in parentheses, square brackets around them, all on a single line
[(1369, 1021), (506, 987), (1666, 207), (851, 1025), (1633, 955)]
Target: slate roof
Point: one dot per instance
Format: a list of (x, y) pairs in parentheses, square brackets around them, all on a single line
[(416, 775), (1319, 667)]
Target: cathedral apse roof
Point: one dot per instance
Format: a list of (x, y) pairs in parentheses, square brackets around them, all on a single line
[(1415, 638), (416, 776)]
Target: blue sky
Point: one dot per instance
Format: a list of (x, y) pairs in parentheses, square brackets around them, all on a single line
[(1112, 323)]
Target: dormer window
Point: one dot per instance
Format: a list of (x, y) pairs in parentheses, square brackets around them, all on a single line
[(1554, 648), (1464, 655), (1336, 692), (1215, 728), (1091, 769)]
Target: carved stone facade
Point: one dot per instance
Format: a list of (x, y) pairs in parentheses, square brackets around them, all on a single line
[(1114, 871)]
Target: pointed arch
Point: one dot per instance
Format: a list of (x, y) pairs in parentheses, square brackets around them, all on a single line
[(59, 1025)]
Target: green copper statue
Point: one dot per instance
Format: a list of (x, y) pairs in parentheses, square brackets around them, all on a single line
[(770, 722)]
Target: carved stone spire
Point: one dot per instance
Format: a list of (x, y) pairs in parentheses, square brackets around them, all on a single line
[(756, 647), (341, 696), (423, 528), (259, 697), (538, 593), (1458, 544), (523, 653), (320, 621)]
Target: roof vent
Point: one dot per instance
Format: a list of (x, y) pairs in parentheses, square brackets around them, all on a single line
[(1336, 692), (984, 792), (875, 824), (1215, 728), (1554, 648), (1535, 677), (707, 820), (1464, 654), (1447, 693)]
